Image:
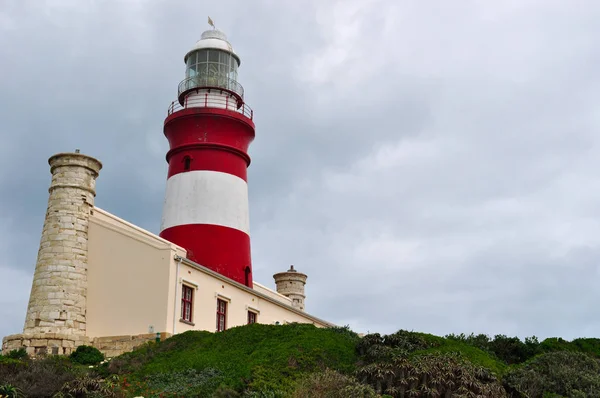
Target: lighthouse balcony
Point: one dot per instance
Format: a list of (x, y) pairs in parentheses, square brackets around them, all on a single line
[(217, 81), (211, 98)]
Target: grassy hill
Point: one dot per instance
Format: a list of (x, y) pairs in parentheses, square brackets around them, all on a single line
[(299, 360), (268, 360), (258, 357)]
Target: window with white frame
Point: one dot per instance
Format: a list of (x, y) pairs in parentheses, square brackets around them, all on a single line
[(221, 315), (187, 296)]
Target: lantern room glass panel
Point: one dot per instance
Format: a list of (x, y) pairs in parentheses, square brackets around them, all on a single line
[(212, 68)]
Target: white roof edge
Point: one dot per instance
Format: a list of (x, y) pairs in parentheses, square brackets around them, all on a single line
[(272, 291), (139, 229)]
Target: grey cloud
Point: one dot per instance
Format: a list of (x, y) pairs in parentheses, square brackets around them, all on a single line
[(430, 167)]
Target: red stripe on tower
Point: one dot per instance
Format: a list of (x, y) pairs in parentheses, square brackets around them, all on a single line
[(209, 129)]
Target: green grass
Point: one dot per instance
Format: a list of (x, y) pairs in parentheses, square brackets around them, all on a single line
[(472, 354), (265, 358), (589, 346), (272, 361), (260, 356)]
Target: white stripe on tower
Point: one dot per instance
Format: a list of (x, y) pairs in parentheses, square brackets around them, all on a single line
[(206, 197)]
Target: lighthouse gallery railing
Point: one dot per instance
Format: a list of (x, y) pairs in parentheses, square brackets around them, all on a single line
[(206, 81), (211, 101)]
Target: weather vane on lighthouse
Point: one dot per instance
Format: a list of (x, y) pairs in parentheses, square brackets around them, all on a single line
[(211, 23)]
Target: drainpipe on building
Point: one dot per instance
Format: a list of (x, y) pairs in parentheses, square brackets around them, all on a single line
[(178, 258)]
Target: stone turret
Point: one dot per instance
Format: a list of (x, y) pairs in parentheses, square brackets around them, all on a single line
[(291, 284), (56, 314)]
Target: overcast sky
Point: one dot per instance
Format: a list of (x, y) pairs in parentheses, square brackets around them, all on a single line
[(431, 165)]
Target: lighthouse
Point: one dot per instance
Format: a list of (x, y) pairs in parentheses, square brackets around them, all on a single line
[(209, 129)]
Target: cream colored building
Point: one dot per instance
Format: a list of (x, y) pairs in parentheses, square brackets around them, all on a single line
[(102, 281)]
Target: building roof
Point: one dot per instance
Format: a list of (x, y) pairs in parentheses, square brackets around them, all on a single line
[(213, 39)]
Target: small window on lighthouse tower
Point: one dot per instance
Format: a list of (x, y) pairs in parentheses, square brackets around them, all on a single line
[(186, 163), (247, 276)]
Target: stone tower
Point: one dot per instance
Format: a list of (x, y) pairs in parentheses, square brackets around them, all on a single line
[(56, 314), (291, 284)]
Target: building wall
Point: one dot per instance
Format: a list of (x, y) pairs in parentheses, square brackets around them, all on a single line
[(128, 278), (133, 277), (208, 288)]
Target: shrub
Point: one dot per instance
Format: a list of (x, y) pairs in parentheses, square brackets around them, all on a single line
[(39, 378), (4, 361), (186, 383), (17, 354), (376, 345), (265, 382), (85, 386), (265, 394), (331, 384), (225, 392), (565, 373), (510, 350), (9, 391), (256, 359), (376, 348), (445, 374), (345, 330), (86, 355)]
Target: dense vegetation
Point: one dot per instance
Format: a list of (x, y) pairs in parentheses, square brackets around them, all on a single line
[(255, 357), (268, 361)]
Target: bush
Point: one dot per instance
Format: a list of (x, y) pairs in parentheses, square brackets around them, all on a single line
[(564, 373), (17, 354), (8, 391), (39, 378), (85, 386), (186, 383), (377, 348), (396, 343), (86, 355), (510, 350), (265, 394), (225, 392), (444, 374), (331, 384), (4, 361), (406, 362), (345, 330), (254, 359)]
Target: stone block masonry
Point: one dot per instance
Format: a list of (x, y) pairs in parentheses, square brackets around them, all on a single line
[(37, 344), (291, 284), (57, 344), (57, 302), (113, 346)]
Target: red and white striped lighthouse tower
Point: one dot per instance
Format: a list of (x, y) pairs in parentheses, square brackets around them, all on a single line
[(209, 129)]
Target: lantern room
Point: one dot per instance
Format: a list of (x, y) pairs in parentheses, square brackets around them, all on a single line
[(211, 63)]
